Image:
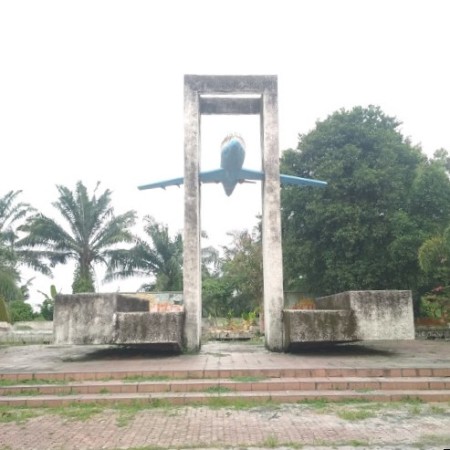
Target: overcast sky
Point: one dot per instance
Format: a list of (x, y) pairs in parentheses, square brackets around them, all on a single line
[(93, 91)]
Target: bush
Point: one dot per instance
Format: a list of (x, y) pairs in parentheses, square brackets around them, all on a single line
[(20, 311), (436, 304), (47, 309), (4, 314)]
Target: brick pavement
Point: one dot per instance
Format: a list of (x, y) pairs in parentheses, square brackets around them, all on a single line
[(397, 426), (293, 425), (222, 356)]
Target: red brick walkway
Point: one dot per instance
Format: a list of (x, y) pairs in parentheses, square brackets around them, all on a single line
[(403, 426)]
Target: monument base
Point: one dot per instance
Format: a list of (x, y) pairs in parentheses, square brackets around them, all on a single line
[(115, 319), (352, 316)]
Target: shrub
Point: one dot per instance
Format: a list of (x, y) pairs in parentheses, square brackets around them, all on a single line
[(20, 311), (4, 314)]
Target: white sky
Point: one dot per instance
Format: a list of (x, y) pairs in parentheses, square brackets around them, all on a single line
[(93, 90)]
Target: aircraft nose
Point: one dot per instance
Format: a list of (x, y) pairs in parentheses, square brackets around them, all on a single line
[(228, 189)]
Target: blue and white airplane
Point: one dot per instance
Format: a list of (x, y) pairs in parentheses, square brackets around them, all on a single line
[(231, 172)]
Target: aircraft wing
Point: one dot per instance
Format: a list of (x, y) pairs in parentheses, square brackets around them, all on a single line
[(212, 176), (290, 179), (247, 174), (284, 179), (163, 184)]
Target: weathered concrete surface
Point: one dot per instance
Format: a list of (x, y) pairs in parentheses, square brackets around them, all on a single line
[(320, 326), (271, 219), (192, 281), (149, 328), (84, 318), (113, 319), (353, 316), (39, 332), (380, 315), (216, 95)]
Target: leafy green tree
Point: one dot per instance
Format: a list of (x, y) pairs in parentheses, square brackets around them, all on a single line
[(48, 305), (382, 201), (434, 258), (158, 257), (4, 313), (243, 270), (20, 311), (91, 234)]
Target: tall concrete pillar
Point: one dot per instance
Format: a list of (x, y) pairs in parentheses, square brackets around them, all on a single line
[(192, 283), (271, 220), (233, 95)]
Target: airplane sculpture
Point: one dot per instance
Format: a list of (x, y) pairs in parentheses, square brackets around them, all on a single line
[(231, 171)]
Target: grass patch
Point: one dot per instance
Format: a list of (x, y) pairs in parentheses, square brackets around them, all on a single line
[(435, 409), (236, 403), (355, 415), (436, 440), (21, 393), (104, 391), (356, 443), (217, 390), (411, 400), (271, 442), (127, 411), (17, 414), (415, 410), (248, 379), (142, 378), (77, 411), (29, 381), (316, 403)]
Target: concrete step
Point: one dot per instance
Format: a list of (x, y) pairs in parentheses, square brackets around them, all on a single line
[(228, 373), (192, 398), (230, 385)]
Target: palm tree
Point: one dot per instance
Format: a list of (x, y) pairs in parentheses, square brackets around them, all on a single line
[(161, 257), (12, 254), (91, 235)]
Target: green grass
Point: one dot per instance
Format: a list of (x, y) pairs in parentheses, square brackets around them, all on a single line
[(355, 415), (434, 409), (142, 378), (17, 414), (77, 411), (29, 381), (316, 403), (355, 443), (22, 392), (271, 442), (248, 379), (127, 411), (217, 390), (411, 400), (236, 403), (433, 440)]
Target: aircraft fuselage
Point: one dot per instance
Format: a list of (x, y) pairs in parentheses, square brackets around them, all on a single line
[(231, 160)]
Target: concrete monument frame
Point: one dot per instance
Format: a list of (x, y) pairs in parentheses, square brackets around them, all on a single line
[(246, 94)]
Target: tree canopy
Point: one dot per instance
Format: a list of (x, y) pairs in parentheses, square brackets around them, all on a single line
[(90, 235), (383, 199), (158, 257), (13, 213)]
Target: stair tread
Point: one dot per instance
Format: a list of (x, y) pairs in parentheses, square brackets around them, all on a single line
[(168, 395), (227, 381)]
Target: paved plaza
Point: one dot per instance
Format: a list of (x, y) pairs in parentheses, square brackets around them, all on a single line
[(404, 425)]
